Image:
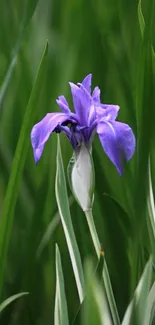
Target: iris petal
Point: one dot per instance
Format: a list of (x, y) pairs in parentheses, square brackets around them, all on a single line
[(42, 130), (118, 142), (96, 94), (87, 82), (63, 104), (105, 112), (82, 102)]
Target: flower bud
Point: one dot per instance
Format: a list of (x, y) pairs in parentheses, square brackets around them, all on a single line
[(81, 177)]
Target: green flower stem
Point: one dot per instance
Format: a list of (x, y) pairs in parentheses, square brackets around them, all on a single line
[(106, 278)]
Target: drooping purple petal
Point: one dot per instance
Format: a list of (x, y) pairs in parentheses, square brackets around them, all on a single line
[(82, 102), (63, 104), (87, 82), (118, 142), (42, 130), (105, 112), (96, 94)]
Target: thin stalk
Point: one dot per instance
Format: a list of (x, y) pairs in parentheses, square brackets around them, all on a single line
[(105, 273)]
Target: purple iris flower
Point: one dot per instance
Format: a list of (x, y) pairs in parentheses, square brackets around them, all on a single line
[(90, 117)]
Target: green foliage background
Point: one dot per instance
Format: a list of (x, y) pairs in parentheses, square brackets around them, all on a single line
[(102, 37)]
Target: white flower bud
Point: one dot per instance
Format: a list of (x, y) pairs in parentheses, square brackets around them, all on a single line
[(82, 178)]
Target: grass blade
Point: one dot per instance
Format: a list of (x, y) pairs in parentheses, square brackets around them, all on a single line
[(17, 167), (8, 301), (105, 273), (151, 211), (61, 313), (137, 310), (141, 18), (25, 20), (63, 206), (95, 308)]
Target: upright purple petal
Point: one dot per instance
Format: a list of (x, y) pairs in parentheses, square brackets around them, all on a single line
[(42, 130), (96, 94), (87, 82), (118, 142), (63, 104), (82, 102)]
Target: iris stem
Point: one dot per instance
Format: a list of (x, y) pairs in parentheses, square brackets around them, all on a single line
[(105, 273)]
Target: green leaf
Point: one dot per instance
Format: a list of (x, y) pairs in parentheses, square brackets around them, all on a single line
[(105, 273), (61, 313), (8, 301), (50, 230), (97, 274), (136, 313), (64, 211), (18, 165), (151, 211), (145, 116), (69, 170), (28, 12), (151, 305), (95, 307), (141, 18)]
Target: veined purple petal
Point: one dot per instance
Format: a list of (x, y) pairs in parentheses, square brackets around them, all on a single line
[(118, 142), (82, 102), (96, 94), (42, 130), (87, 82), (105, 112), (63, 104)]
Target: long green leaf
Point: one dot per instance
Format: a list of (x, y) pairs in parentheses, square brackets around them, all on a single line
[(63, 206), (137, 310), (18, 165), (141, 18), (61, 313), (29, 10), (151, 211), (151, 305), (95, 307), (105, 273), (8, 301)]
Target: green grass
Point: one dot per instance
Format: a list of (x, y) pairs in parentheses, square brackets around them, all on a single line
[(114, 40)]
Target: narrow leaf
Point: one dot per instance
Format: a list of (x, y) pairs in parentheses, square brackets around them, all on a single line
[(61, 313), (29, 10), (18, 165), (95, 308), (137, 310), (64, 211), (141, 18), (8, 301), (151, 211)]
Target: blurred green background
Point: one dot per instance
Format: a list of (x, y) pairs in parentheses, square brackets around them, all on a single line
[(101, 37)]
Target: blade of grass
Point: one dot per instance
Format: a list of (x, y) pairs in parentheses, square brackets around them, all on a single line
[(97, 274), (95, 307), (50, 230), (17, 167), (105, 272), (136, 312), (64, 211), (151, 305), (8, 301), (141, 18), (25, 20), (61, 313), (151, 211), (145, 116)]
